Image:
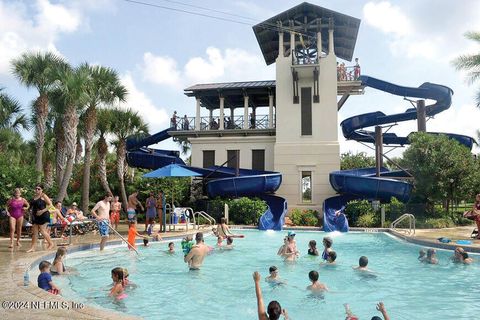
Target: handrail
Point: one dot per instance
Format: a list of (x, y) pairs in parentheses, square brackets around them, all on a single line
[(411, 218), (205, 215)]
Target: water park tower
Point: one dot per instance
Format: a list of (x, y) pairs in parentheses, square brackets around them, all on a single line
[(297, 136), (304, 43)]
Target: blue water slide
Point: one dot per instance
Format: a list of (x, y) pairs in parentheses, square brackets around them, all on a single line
[(362, 183), (222, 181)]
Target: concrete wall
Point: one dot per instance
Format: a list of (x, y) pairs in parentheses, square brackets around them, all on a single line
[(319, 152), (244, 144)]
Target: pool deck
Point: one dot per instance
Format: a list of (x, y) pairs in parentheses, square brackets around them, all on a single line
[(34, 303)]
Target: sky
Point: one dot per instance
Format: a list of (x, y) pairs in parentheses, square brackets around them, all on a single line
[(159, 52)]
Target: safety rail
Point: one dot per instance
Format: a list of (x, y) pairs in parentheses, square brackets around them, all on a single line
[(411, 221), (204, 215)]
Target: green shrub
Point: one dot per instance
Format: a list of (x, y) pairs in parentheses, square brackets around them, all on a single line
[(356, 208), (367, 220), (438, 223), (246, 211), (216, 207), (306, 217), (394, 209)]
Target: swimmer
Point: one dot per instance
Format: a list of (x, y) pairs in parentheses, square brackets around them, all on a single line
[(224, 231), (273, 277), (58, 266), (466, 259), (219, 241), (145, 242), (171, 247), (187, 244), (274, 310), (327, 247), (291, 252), (349, 313), (312, 248), (332, 256), (283, 248), (316, 286), (362, 264), (457, 255), (118, 288), (422, 255), (197, 254), (229, 245), (431, 256)]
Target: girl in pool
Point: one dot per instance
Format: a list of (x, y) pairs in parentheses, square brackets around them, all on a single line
[(58, 268), (431, 256), (118, 289), (312, 248), (327, 247), (16, 207)]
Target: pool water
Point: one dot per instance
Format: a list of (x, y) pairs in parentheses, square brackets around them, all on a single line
[(224, 288)]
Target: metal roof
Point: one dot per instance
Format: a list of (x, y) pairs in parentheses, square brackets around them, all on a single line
[(233, 92), (229, 85), (305, 17)]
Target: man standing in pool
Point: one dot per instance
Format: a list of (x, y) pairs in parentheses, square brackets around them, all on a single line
[(195, 257), (101, 213)]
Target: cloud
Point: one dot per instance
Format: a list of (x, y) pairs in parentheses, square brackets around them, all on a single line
[(412, 33), (36, 26), (217, 66), (156, 117), (161, 70)]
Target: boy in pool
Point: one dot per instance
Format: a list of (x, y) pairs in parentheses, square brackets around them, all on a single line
[(316, 286), (466, 259), (44, 280), (187, 244), (273, 277), (332, 256), (431, 256), (171, 247), (422, 255), (362, 264)]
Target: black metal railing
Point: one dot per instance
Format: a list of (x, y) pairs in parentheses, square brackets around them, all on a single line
[(229, 123)]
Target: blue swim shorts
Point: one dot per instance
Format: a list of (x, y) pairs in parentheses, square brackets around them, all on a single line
[(103, 227)]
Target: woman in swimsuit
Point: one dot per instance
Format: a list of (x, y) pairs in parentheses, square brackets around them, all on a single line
[(476, 212), (40, 217), (58, 267), (16, 206), (151, 205), (224, 231)]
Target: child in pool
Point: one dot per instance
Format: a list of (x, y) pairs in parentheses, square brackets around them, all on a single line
[(422, 255), (171, 247), (273, 277), (349, 313), (362, 264), (132, 233), (145, 242), (316, 286), (118, 289), (312, 248), (187, 244), (44, 280), (229, 245), (327, 247), (431, 256), (219, 241), (58, 267), (465, 258), (332, 256)]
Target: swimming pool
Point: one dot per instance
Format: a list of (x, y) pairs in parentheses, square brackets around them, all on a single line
[(224, 288)]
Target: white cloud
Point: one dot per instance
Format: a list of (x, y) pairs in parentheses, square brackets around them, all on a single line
[(387, 17), (227, 65), (156, 117), (411, 33), (161, 70), (36, 26)]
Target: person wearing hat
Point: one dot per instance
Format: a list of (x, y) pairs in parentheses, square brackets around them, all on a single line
[(291, 252), (74, 211)]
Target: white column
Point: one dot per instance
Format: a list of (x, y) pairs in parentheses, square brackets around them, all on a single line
[(270, 111), (197, 115), (319, 38), (245, 112), (281, 48), (210, 119), (331, 49), (292, 42), (222, 103)]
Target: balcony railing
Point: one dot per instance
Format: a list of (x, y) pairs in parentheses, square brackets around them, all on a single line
[(350, 73), (258, 122)]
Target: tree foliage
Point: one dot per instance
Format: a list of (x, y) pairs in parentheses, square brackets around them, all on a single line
[(442, 167), (358, 160)]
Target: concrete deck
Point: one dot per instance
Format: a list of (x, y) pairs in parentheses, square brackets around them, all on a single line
[(19, 302)]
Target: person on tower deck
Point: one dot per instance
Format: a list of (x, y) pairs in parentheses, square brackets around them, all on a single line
[(252, 120), (173, 120), (186, 123), (356, 70)]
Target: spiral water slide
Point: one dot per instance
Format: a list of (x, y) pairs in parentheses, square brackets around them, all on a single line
[(222, 181), (362, 183)]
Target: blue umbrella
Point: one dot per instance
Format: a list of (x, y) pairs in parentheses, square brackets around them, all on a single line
[(172, 170)]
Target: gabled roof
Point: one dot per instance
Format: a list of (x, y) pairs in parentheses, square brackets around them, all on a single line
[(305, 16)]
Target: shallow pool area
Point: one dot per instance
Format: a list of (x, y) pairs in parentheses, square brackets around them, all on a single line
[(224, 288)]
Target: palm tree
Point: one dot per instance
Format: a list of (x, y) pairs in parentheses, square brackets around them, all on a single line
[(125, 122), (104, 117), (39, 70), (471, 63), (103, 88), (72, 93), (11, 116)]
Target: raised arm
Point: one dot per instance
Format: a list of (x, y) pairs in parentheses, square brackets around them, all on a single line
[(381, 308), (262, 315)]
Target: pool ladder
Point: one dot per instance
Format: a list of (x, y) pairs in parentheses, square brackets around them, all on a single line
[(206, 216), (411, 221)]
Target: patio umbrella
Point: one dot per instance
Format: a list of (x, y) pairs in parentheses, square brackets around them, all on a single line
[(172, 170)]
